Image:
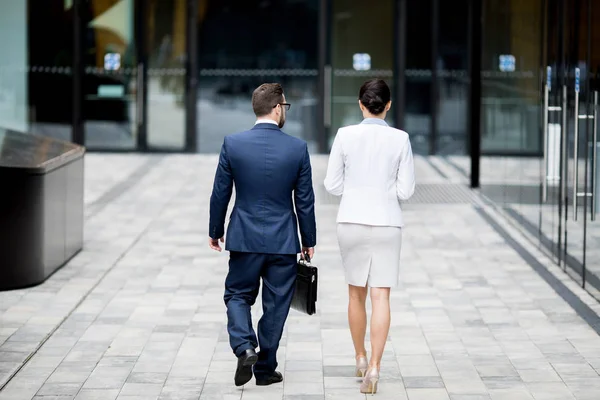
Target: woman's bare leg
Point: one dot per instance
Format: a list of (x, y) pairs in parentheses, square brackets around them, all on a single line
[(357, 317), (380, 324)]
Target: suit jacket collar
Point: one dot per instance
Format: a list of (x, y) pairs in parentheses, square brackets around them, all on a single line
[(266, 125)]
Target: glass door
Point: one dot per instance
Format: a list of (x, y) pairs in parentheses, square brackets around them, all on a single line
[(358, 53), (554, 92), (570, 112), (113, 75), (579, 129), (135, 74), (581, 228), (165, 55)]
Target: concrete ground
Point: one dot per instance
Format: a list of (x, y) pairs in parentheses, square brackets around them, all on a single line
[(138, 314)]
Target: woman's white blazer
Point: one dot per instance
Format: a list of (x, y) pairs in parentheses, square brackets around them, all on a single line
[(371, 167)]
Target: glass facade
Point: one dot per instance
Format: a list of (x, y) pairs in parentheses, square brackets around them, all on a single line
[(177, 75), (539, 111)]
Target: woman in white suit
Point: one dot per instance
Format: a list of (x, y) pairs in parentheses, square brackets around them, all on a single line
[(371, 167)]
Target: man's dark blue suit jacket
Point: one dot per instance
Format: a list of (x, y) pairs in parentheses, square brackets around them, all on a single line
[(271, 172)]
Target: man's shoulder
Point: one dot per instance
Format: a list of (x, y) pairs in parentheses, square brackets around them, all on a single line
[(290, 141), (237, 137), (295, 141)]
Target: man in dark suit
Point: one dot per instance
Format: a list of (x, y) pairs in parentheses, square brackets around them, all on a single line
[(272, 175)]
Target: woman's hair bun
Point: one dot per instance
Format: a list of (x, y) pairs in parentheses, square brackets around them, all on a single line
[(375, 95)]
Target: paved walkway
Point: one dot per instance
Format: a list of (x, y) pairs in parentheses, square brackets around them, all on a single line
[(138, 314)]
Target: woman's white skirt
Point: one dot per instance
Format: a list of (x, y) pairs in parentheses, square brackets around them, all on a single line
[(370, 254)]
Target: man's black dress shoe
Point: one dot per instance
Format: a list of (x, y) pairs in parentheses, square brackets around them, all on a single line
[(246, 361), (275, 378)]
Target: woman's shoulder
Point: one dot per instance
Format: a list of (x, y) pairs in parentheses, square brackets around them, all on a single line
[(359, 129)]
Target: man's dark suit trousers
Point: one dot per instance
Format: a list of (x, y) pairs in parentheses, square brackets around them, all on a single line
[(278, 273)]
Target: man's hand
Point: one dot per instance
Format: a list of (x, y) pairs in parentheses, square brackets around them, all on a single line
[(214, 244), (309, 250)]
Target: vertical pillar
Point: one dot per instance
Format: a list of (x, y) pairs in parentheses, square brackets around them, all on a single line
[(399, 96), (324, 83), (77, 133), (435, 27), (191, 80), (140, 22), (474, 105)]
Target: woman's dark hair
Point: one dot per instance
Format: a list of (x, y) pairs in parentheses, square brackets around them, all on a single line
[(374, 95)]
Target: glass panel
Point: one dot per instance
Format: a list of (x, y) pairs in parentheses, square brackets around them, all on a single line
[(13, 66), (166, 49), (551, 203), (510, 86), (111, 75), (418, 74), (272, 42), (511, 107), (353, 35), (452, 70), (592, 248), (580, 114)]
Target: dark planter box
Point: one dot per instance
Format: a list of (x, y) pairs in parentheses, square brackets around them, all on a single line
[(41, 207)]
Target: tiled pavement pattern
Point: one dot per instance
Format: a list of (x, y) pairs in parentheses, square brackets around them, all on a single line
[(138, 314)]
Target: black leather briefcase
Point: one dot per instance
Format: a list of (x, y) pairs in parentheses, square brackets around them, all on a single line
[(305, 296)]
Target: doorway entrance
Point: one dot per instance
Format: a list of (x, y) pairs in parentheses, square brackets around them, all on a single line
[(419, 48), (134, 74)]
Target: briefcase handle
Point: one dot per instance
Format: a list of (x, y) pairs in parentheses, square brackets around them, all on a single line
[(306, 257)]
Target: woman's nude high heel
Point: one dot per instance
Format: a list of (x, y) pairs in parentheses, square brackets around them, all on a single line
[(369, 383), (361, 366)]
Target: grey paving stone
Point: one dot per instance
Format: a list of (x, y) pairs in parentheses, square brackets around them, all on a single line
[(423, 382), (141, 389), (53, 397), (147, 377), (97, 394), (427, 394), (59, 389)]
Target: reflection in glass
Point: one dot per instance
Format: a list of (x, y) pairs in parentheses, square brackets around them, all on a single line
[(111, 75), (166, 44), (271, 42), (353, 33)]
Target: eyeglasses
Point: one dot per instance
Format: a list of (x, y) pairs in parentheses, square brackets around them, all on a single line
[(286, 105)]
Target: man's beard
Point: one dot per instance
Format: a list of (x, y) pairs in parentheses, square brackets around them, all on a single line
[(281, 121)]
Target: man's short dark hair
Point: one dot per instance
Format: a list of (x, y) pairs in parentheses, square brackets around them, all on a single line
[(265, 97)]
